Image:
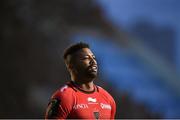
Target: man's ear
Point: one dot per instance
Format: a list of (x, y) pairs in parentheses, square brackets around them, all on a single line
[(69, 66)]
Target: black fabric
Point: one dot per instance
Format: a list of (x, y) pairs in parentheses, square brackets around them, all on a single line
[(53, 108)]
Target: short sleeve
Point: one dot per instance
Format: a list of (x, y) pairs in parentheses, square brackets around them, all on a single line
[(113, 110), (111, 101), (60, 105)]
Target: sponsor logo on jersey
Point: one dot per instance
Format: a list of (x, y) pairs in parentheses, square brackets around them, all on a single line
[(90, 99), (52, 109), (96, 115), (80, 106), (105, 106), (63, 88)]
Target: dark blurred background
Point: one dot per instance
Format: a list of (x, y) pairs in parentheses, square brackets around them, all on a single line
[(136, 42)]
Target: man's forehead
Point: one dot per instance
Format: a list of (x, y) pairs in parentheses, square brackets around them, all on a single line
[(81, 52), (84, 51)]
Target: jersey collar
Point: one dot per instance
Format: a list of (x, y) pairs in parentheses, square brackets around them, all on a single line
[(77, 88)]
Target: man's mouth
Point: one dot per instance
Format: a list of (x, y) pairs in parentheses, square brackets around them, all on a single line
[(93, 68)]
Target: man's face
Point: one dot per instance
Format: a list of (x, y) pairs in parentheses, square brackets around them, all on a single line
[(84, 63)]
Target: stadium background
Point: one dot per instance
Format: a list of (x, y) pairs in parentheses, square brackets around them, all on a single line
[(136, 42)]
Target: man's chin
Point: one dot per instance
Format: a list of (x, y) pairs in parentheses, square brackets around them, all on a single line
[(92, 75)]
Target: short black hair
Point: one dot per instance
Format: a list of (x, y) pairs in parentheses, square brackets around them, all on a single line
[(74, 48)]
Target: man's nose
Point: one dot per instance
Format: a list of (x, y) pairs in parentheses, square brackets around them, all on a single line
[(93, 61)]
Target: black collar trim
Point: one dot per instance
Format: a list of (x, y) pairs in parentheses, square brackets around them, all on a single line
[(76, 87)]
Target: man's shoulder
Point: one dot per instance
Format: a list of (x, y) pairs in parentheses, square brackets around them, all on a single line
[(101, 89), (64, 91), (104, 92)]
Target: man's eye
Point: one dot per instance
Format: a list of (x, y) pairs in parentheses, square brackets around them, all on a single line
[(84, 58)]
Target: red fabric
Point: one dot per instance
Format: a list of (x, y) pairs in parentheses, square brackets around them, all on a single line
[(77, 104)]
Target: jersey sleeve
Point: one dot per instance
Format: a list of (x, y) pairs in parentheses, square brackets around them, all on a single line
[(113, 109), (111, 101), (60, 105)]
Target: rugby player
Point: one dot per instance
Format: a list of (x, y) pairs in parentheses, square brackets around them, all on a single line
[(80, 98)]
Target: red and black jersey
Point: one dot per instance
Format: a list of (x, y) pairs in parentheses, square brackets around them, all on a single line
[(71, 102)]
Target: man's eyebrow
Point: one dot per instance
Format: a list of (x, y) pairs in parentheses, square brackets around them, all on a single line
[(83, 55)]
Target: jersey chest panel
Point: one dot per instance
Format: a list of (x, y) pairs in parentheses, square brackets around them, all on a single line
[(93, 106)]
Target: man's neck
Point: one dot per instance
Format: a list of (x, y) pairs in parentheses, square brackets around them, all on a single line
[(89, 86)]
